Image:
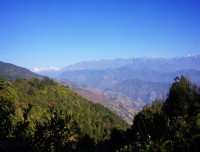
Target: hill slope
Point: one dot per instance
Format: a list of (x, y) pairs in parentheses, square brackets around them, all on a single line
[(10, 71), (93, 119), (120, 104)]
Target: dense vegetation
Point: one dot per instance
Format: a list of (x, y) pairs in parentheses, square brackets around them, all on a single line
[(163, 126), (40, 115)]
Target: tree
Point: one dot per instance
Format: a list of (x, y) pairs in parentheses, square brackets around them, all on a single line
[(149, 127), (183, 98), (58, 133), (182, 108), (173, 125), (7, 109), (22, 131), (2, 83)]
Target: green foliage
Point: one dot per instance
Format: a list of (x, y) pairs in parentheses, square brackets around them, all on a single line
[(151, 120), (45, 116), (22, 129), (172, 125), (2, 83), (126, 148), (71, 125), (47, 81), (7, 111), (182, 99), (58, 133)]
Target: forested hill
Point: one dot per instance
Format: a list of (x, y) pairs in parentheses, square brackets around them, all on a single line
[(39, 110), (40, 115), (10, 71), (172, 125)]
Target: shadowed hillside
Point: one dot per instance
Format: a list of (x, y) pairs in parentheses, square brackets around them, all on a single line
[(10, 71)]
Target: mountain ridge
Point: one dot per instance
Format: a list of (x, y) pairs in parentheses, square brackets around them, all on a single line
[(157, 63), (11, 71), (120, 62)]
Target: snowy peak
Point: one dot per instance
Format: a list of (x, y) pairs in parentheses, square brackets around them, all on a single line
[(42, 69)]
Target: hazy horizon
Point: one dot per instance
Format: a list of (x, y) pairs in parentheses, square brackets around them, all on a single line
[(43, 68)]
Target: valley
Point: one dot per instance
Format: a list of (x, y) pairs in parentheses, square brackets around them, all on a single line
[(126, 85), (122, 85)]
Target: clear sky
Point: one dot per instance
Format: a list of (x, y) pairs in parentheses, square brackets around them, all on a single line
[(37, 33)]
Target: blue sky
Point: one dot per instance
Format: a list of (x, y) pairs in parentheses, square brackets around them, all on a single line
[(36, 33)]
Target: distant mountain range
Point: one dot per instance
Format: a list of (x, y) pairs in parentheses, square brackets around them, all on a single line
[(160, 64), (10, 71), (122, 85), (144, 68), (130, 83), (158, 73)]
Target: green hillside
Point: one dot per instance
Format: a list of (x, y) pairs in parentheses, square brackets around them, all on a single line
[(35, 103), (172, 125)]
